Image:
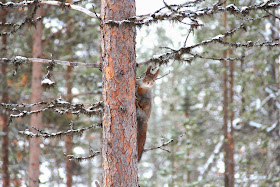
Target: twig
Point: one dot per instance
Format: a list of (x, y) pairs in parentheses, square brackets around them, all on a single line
[(160, 146), (79, 159), (162, 76)]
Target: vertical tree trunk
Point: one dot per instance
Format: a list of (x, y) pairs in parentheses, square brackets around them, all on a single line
[(119, 150), (4, 116), (243, 84), (229, 177), (230, 135), (36, 120), (68, 139), (225, 125)]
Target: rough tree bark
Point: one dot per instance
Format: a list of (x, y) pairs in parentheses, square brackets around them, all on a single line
[(4, 116), (68, 139), (119, 150), (36, 120)]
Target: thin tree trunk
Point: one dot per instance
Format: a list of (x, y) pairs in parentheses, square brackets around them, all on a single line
[(36, 120), (225, 113), (228, 97), (230, 135), (188, 161), (4, 116), (225, 126), (243, 83), (68, 139), (119, 150)]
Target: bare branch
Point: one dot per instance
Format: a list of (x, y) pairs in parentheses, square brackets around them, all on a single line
[(160, 146)]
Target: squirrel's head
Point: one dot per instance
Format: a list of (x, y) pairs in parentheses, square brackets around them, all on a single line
[(150, 76)]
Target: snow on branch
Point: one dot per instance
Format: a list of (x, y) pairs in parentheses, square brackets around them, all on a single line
[(258, 104), (53, 3), (79, 159), (18, 60), (71, 6), (176, 14), (58, 105), (16, 27), (29, 20), (17, 5), (71, 131), (178, 54)]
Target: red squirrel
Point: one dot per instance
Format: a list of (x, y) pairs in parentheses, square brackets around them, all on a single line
[(144, 98)]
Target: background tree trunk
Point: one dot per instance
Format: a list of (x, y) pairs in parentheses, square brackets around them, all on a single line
[(119, 150), (4, 116), (68, 139), (228, 139), (230, 134), (36, 120)]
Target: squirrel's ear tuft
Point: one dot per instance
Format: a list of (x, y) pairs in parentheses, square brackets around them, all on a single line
[(156, 74), (149, 70)]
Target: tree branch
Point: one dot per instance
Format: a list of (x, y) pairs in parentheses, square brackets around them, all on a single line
[(79, 159), (160, 146), (53, 3), (18, 60), (43, 134)]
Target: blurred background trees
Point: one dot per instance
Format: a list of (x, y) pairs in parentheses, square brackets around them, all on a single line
[(189, 100)]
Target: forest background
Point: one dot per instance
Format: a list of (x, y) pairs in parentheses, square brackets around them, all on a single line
[(229, 88)]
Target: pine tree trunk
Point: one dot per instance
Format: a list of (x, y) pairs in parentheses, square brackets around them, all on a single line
[(230, 135), (36, 120), (4, 116), (227, 174), (68, 139), (119, 150)]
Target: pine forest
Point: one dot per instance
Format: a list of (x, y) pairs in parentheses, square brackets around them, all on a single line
[(163, 93)]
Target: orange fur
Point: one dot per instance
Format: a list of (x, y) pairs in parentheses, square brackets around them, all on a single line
[(144, 106)]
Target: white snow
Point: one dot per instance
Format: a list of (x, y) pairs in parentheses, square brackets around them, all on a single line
[(47, 81), (277, 105), (232, 6), (269, 129), (20, 58), (258, 104), (218, 37), (255, 124), (236, 122)]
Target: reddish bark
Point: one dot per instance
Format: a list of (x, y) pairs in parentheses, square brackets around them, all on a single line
[(119, 121), (36, 120), (68, 139), (4, 117), (228, 140)]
